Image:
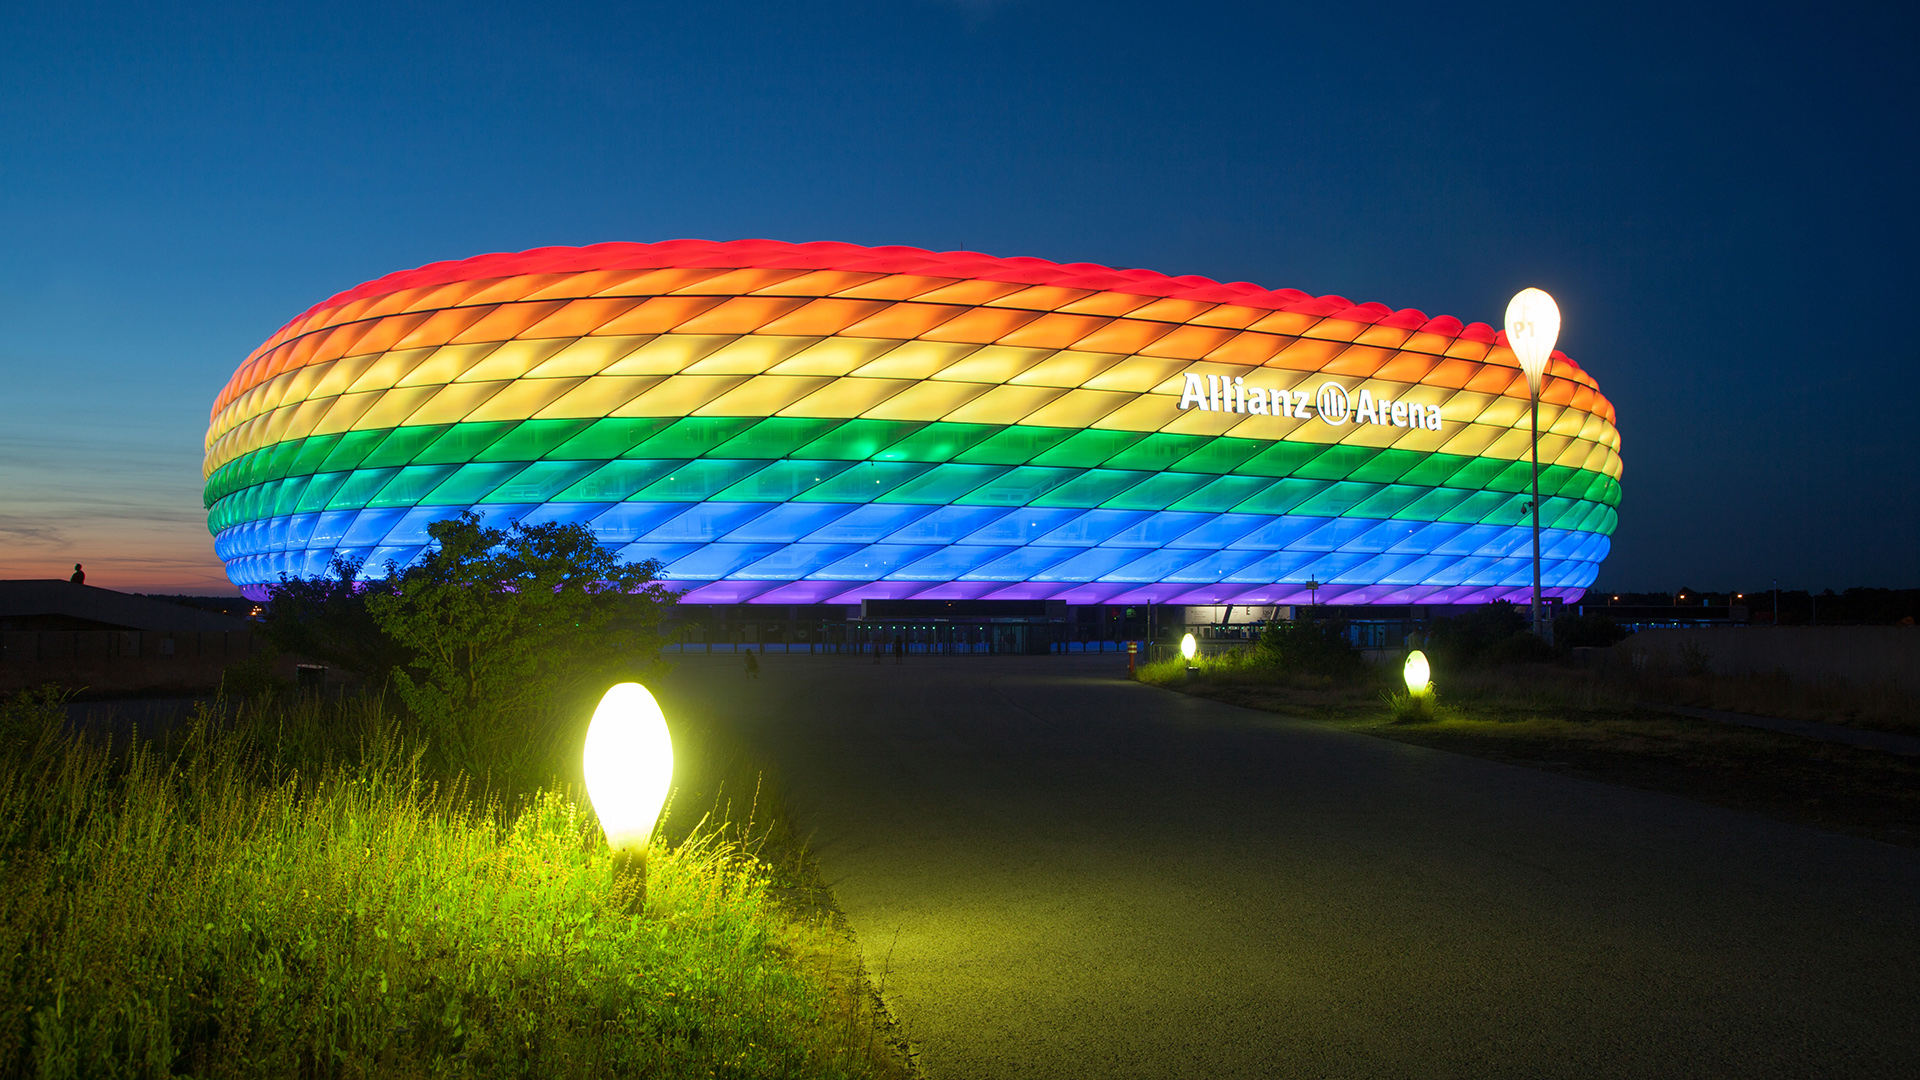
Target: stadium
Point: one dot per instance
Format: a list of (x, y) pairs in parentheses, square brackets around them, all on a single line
[(830, 424)]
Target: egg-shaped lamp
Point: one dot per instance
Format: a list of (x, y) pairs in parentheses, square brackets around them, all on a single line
[(628, 763), (1533, 325), (1188, 647), (1418, 674)]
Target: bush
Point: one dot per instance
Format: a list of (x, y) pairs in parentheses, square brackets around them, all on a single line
[(1586, 631), (1408, 707), (227, 908), (1459, 642), (1310, 647), (327, 619)]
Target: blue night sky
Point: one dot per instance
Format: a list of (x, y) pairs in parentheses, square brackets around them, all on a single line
[(1722, 200)]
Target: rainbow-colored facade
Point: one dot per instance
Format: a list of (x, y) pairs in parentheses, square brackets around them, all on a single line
[(826, 423)]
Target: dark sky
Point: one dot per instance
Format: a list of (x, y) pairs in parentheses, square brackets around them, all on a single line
[(1721, 198)]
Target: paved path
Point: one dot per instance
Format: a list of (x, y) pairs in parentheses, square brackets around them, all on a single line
[(1063, 874), (1891, 742)]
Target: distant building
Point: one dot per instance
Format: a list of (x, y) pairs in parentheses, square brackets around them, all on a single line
[(795, 427), (52, 604)]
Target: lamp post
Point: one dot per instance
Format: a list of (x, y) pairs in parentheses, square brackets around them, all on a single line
[(628, 767), (1533, 325)]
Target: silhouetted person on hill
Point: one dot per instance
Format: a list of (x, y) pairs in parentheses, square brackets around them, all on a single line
[(899, 650), (79, 576)]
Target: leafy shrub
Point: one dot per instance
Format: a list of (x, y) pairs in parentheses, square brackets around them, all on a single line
[(1586, 631), (1459, 642), (1408, 707), (1310, 647), (510, 629), (327, 618)]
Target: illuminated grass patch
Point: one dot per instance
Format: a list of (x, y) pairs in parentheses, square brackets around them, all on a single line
[(217, 907)]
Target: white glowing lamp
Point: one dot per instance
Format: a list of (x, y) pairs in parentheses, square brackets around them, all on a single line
[(628, 764), (1533, 325), (1419, 676), (1188, 646)]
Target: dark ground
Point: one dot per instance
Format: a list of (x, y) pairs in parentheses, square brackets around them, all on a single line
[(1058, 873)]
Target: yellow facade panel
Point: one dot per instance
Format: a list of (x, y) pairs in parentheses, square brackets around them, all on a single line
[(522, 398), (1078, 408), (763, 395), (916, 360), (1069, 369), (393, 408), (347, 408), (587, 356), (669, 354), (447, 363), (388, 369), (749, 355), (927, 400), (1144, 412), (1469, 440), (847, 397), (598, 396), (342, 375), (513, 359), (1137, 374), (1004, 404), (680, 395), (994, 364), (454, 401), (835, 356)]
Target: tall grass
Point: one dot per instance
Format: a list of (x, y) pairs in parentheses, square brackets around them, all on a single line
[(245, 900)]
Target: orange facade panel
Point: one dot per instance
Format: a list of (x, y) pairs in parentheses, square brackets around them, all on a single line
[(1290, 323), (507, 321), (1359, 361), (824, 317), (1123, 336), (819, 283), (736, 282), (1306, 354), (1406, 367), (972, 291), (1167, 309), (903, 321), (1450, 373), (1044, 298), (1188, 342), (1250, 348), (386, 332), (896, 287), (658, 315), (1054, 331), (581, 317), (441, 327), (981, 326), (1107, 303), (740, 315)]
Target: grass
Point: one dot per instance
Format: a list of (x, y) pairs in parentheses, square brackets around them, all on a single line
[(280, 890), (1575, 722)]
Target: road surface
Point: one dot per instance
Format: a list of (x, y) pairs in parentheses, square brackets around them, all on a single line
[(1060, 873)]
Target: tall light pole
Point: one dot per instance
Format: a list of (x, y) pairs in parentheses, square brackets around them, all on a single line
[(1533, 325)]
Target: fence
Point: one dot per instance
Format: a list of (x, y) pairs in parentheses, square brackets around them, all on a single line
[(122, 660)]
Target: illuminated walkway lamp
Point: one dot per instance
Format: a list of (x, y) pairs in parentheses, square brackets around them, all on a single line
[(1188, 647), (1533, 325), (1418, 674), (628, 764)]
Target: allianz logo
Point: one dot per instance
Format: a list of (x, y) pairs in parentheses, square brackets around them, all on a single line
[(1217, 393)]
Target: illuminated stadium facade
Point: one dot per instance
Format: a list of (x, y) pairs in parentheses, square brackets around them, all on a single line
[(826, 424)]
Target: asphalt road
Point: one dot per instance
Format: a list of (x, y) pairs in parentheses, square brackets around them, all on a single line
[(1062, 874)]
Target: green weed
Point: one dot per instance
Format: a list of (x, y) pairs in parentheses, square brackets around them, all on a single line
[(292, 895)]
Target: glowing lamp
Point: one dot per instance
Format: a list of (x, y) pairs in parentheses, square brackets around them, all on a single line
[(1418, 675), (629, 765), (1188, 647), (1533, 325)]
